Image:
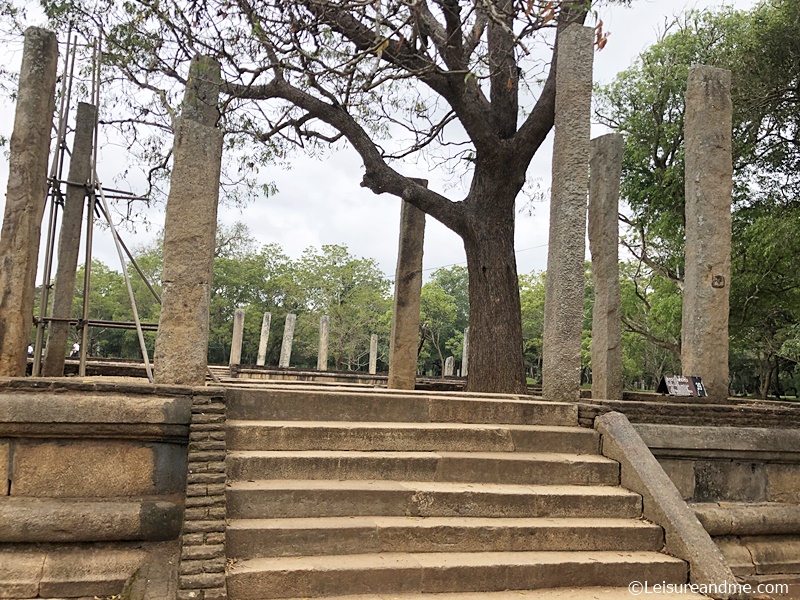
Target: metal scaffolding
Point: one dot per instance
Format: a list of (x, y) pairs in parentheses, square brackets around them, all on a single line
[(97, 208)]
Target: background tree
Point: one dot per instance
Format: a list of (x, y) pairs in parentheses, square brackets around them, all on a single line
[(353, 292), (444, 316)]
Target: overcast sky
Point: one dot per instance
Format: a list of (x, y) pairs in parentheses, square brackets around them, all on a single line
[(320, 201)]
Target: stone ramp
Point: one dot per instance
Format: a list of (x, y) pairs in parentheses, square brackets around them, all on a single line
[(341, 492)]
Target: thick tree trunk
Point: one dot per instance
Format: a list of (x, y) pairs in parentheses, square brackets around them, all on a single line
[(495, 347)]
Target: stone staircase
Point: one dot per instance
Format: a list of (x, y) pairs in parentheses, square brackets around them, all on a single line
[(335, 493)]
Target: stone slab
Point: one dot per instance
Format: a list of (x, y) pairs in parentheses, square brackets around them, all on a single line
[(20, 572), (723, 480), (681, 472), (48, 406), (688, 437), (737, 556), (33, 520), (452, 572), (774, 554), (360, 535), (98, 572), (783, 483), (744, 518), (96, 469), (290, 499)]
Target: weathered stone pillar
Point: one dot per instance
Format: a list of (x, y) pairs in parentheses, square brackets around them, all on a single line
[(80, 165), (288, 338), (373, 354), (25, 198), (324, 333), (465, 354), (189, 231), (261, 360), (563, 319), (237, 338), (605, 172), (709, 172), (449, 364), (407, 290)]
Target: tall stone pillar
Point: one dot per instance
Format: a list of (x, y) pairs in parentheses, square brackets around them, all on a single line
[(324, 333), (449, 364), (465, 354), (189, 231), (261, 360), (605, 168), (237, 338), (80, 165), (407, 290), (563, 309), (709, 172), (25, 198), (288, 338), (373, 354)]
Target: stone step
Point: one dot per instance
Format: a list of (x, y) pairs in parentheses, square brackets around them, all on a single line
[(66, 571), (484, 467), (261, 578), (567, 593), (324, 498), (252, 538), (275, 404), (443, 437), (28, 520)]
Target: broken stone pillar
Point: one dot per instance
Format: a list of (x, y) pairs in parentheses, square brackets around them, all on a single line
[(373, 354), (563, 309), (189, 231), (465, 354), (25, 197), (322, 354), (709, 172), (80, 165), (605, 172), (407, 289), (261, 360), (449, 364), (288, 338), (237, 338)]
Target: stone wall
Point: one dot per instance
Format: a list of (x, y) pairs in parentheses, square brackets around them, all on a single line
[(88, 440), (98, 473), (202, 562)]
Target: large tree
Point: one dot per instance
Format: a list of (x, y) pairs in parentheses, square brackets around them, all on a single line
[(469, 82)]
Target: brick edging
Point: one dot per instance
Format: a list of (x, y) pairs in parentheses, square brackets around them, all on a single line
[(201, 572)]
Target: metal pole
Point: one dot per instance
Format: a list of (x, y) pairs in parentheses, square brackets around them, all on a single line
[(133, 261), (114, 235), (55, 176), (87, 272)]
